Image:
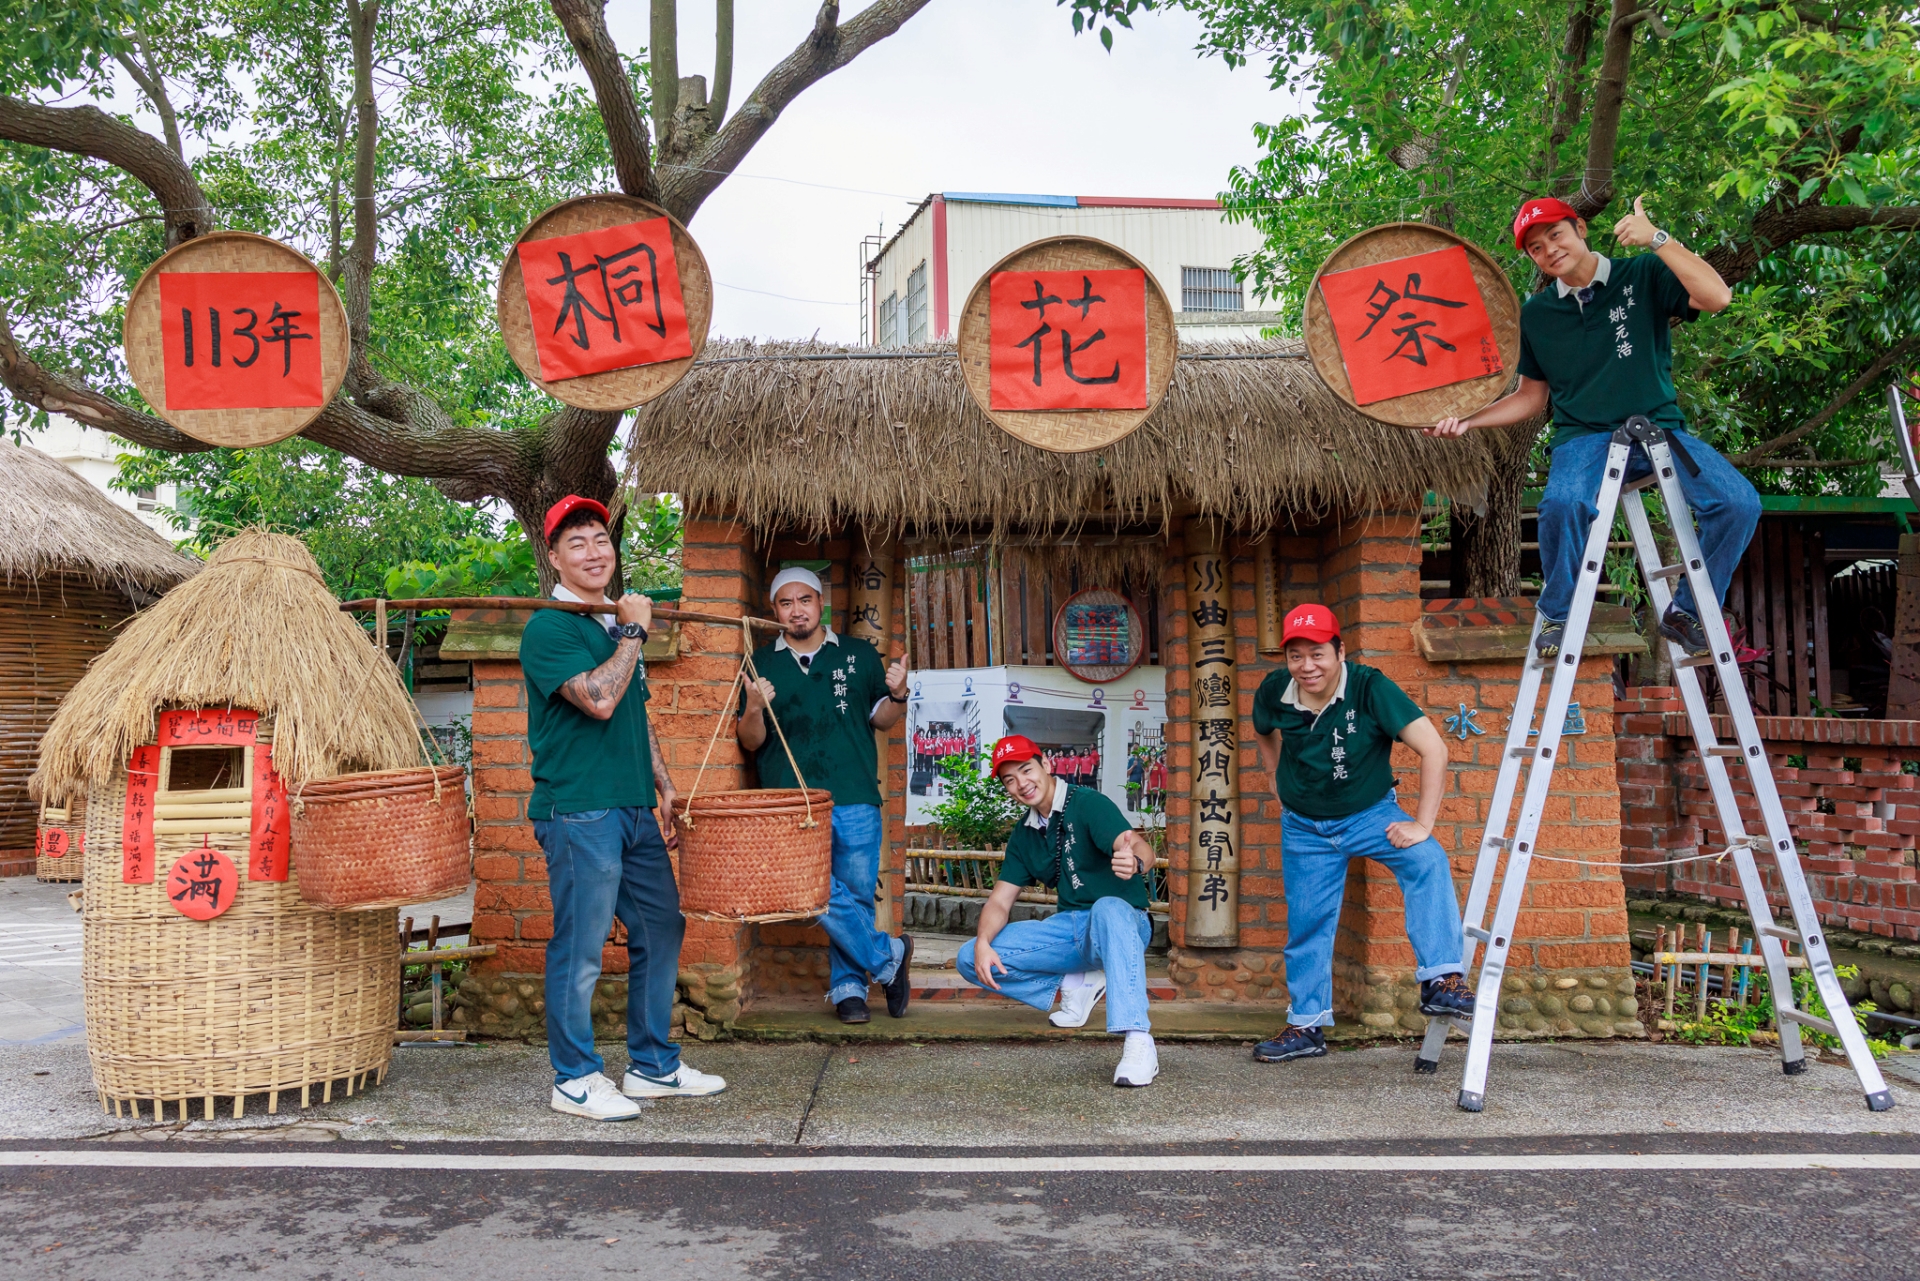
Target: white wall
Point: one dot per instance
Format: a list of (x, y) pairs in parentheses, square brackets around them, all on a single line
[(94, 455)]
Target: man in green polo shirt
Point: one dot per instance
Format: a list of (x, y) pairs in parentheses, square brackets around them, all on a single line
[(1326, 727), (1076, 842), (597, 777), (1598, 348), (831, 692)]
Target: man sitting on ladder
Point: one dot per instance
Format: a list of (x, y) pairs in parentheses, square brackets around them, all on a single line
[(1599, 343)]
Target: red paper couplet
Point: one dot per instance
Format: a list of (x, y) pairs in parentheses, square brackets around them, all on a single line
[(136, 824), (202, 883), (54, 842), (207, 727), (1067, 339), (241, 339), (606, 299), (268, 843), (1410, 324)]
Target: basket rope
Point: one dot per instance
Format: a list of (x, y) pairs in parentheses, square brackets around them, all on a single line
[(745, 670)]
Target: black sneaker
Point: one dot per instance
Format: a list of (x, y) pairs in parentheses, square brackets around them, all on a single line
[(1684, 630), (1447, 997), (853, 1010), (1294, 1043), (1547, 643), (901, 988)]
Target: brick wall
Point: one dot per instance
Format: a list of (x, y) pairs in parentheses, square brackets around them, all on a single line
[(1854, 811)]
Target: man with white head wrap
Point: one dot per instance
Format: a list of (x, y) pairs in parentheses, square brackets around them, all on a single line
[(831, 692)]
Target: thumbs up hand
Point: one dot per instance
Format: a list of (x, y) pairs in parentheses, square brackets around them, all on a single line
[(1636, 229)]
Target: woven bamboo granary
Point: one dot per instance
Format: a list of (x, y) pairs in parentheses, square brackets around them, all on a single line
[(73, 566)]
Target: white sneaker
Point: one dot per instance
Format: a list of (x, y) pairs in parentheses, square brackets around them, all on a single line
[(1076, 1005), (594, 1098), (1139, 1064), (685, 1083)]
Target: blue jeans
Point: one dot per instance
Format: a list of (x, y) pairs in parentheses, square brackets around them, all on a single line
[(1313, 860), (602, 864), (1112, 936), (861, 954), (1725, 505)]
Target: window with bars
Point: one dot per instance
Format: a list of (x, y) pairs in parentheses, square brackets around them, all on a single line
[(1209, 289), (890, 320), (917, 304)]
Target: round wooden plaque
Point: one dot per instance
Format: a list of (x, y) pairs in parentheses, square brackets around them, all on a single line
[(1098, 635), (1422, 409), (1066, 431), (612, 389), (148, 343)]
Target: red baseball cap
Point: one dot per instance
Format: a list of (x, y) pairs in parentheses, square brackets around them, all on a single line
[(1013, 749), (1314, 623), (572, 503), (1545, 209)]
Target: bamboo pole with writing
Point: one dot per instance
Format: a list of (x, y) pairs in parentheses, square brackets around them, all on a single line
[(1267, 605), (1213, 852), (870, 617)]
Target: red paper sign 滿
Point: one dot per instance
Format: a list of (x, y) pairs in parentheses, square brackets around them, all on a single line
[(606, 299), (1410, 324), (241, 339), (1067, 339), (202, 883), (136, 821), (267, 843)]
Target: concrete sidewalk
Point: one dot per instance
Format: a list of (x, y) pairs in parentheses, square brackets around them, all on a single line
[(1020, 1094)]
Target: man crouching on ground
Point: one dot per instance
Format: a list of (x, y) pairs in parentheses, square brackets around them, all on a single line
[(1076, 841), (1327, 727)]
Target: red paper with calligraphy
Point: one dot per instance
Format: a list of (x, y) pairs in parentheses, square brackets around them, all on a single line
[(207, 727), (606, 299), (241, 339), (202, 884), (1410, 324), (54, 842), (136, 821), (1068, 339), (267, 844)]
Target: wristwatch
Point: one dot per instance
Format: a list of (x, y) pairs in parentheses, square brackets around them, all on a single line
[(1659, 238), (892, 699), (633, 631)]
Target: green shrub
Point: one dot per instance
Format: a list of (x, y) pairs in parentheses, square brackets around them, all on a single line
[(976, 813)]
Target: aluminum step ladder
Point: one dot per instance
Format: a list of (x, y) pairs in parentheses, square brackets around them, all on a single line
[(1747, 750)]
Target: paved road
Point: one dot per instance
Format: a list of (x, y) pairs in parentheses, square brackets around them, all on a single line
[(1645, 1206), (39, 963)]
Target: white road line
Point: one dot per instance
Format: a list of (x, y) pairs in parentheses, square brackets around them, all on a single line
[(1317, 1163)]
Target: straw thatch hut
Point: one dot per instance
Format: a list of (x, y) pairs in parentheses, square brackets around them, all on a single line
[(73, 566), (188, 736)]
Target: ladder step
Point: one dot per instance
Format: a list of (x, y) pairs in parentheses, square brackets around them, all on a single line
[(1667, 571), (1721, 749), (1704, 660), (1499, 842), (1783, 932), (1813, 1021), (1475, 932), (1647, 481)]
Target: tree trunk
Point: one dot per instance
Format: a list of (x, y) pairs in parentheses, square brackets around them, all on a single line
[(1492, 554)]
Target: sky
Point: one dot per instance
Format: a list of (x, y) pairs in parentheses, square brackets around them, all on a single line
[(969, 95)]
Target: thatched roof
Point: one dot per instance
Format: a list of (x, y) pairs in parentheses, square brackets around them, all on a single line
[(809, 435), (256, 629), (54, 522)]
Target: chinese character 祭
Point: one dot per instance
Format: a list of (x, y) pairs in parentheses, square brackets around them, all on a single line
[(605, 299), (1068, 339), (1410, 324), (1326, 727), (216, 325)]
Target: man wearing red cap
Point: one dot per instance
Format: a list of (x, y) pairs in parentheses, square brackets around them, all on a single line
[(602, 810), (1598, 348), (1326, 728), (1077, 842)]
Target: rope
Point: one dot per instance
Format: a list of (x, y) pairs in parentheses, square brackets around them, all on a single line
[(1668, 862), (720, 719), (269, 560)]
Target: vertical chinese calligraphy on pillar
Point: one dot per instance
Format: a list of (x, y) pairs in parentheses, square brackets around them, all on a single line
[(1266, 593), (870, 615), (136, 820), (1213, 855)]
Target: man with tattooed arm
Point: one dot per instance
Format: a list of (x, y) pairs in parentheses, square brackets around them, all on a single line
[(602, 810)]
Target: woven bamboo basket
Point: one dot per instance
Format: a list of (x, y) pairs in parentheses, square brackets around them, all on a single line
[(61, 842), (270, 997), (756, 856), (383, 839)]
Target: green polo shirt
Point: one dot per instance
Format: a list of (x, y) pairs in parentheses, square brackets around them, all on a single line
[(826, 711), (1085, 828), (1338, 761), (580, 763), (1613, 357)]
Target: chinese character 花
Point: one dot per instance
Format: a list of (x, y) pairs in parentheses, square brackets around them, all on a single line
[(1068, 339)]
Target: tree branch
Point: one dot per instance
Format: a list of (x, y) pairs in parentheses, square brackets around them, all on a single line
[(40, 387), (154, 85), (1777, 227), (1756, 457), (88, 131), (1574, 51), (585, 23), (363, 20), (663, 66), (827, 48), (722, 63), (1609, 96)]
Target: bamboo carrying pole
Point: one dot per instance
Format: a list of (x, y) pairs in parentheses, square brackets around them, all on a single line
[(1213, 858), (672, 615), (870, 611)]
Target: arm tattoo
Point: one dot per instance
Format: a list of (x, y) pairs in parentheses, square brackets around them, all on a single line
[(599, 691), (661, 779)]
